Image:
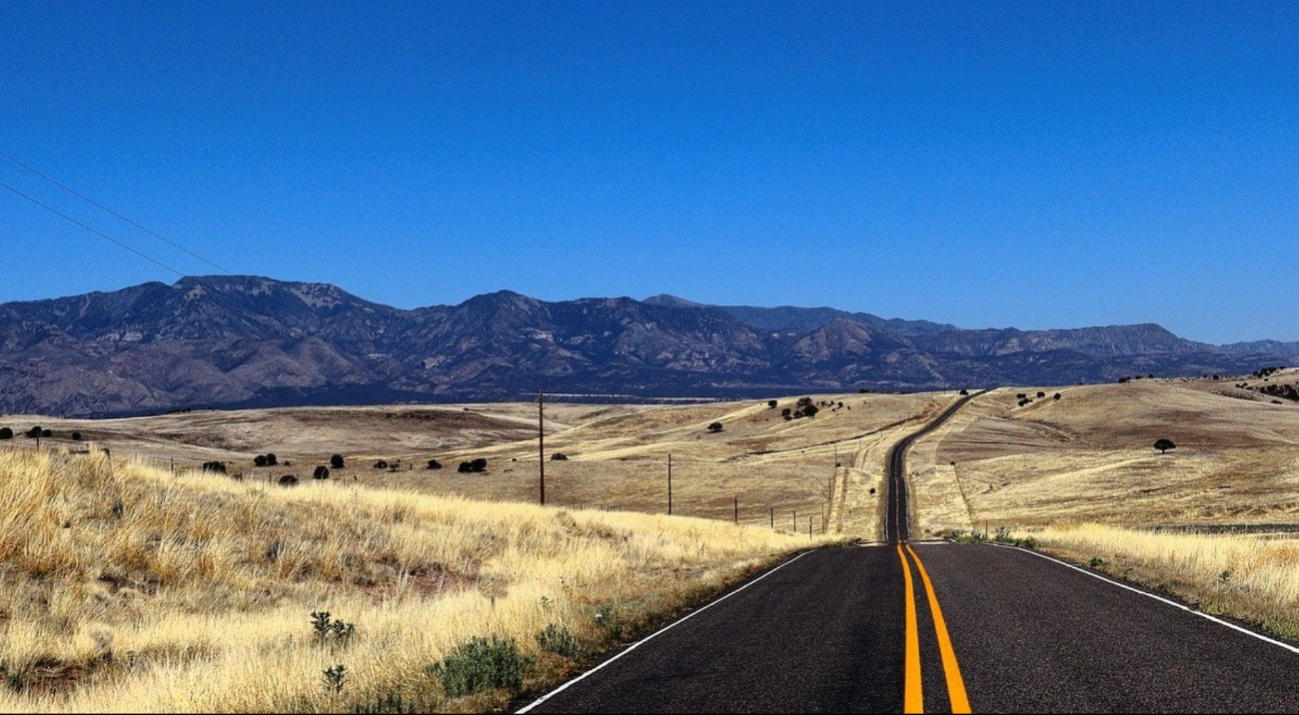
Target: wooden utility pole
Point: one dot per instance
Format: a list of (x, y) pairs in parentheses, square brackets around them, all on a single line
[(669, 485), (541, 444)]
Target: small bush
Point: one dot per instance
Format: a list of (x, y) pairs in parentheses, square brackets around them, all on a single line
[(559, 457), (321, 473), (336, 462), (771, 404), (76, 436), (335, 678), (215, 467), (272, 460), (1165, 445), (288, 480), (716, 427), (47, 433), (560, 641), (328, 631), (481, 666), (381, 464), (1096, 562), (434, 464), (6, 433), (473, 467), (259, 461), (608, 621)]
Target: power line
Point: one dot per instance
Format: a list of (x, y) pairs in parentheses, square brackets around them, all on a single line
[(102, 235), (112, 213)]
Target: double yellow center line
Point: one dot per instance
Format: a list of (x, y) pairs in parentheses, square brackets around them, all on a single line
[(914, 692)]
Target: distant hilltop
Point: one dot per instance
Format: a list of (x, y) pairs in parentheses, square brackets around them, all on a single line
[(236, 341)]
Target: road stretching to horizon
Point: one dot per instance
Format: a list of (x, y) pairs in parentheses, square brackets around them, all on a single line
[(936, 627)]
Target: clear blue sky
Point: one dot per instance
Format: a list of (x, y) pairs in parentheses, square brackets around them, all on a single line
[(981, 163)]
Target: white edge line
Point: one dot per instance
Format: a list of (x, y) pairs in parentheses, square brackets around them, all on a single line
[(1161, 599), (654, 635)]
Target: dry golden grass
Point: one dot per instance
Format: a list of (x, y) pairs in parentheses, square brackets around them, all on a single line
[(127, 589), (1089, 458), (1252, 578), (617, 453)]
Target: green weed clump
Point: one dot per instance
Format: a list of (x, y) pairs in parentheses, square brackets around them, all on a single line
[(482, 665)]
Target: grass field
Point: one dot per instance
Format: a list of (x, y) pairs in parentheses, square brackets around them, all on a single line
[(617, 455), (129, 589)]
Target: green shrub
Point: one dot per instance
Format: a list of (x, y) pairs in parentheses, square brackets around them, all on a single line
[(560, 641), (335, 678), (482, 665), (609, 623)]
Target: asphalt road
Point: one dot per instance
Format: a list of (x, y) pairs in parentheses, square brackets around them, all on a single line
[(937, 628)]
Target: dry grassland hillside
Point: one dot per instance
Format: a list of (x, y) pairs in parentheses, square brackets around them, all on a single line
[(126, 588), (1090, 457), (616, 455)]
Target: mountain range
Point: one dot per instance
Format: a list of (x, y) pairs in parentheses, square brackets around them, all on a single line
[(236, 341)]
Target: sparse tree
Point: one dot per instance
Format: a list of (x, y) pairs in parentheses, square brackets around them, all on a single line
[(771, 404), (1165, 445), (810, 410), (35, 433)]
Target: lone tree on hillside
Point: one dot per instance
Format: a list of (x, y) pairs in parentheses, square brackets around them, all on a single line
[(716, 427), (772, 404), (336, 461), (1164, 445), (34, 433)]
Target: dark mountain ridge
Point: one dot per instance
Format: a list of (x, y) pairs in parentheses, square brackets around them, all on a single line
[(250, 341)]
